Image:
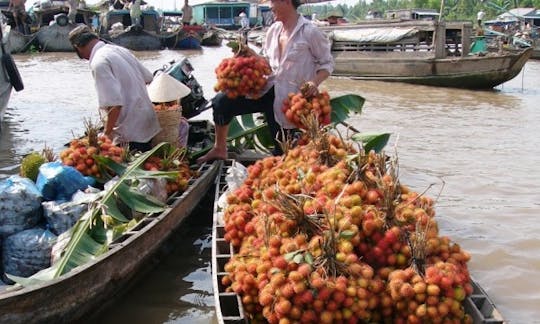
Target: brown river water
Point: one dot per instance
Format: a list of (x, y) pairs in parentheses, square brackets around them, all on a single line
[(479, 149)]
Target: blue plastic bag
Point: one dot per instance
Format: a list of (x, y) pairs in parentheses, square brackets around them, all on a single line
[(59, 182)]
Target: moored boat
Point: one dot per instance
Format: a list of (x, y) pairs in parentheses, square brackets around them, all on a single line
[(52, 26), (138, 38), (212, 37), (421, 52), (183, 37), (73, 295)]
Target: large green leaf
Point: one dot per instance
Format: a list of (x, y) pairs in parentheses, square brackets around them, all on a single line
[(371, 141), (343, 106), (82, 247)]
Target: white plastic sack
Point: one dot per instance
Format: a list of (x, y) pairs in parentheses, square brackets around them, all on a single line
[(236, 175)]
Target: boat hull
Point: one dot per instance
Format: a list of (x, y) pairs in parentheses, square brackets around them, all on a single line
[(86, 288), (17, 42), (137, 40), (211, 38), (182, 40), (54, 38), (471, 72)]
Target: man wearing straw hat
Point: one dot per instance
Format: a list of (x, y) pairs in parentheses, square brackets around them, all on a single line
[(165, 92), (120, 81)]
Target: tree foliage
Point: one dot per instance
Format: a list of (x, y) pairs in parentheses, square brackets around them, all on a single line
[(453, 9)]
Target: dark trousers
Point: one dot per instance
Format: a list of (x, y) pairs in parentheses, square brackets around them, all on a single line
[(141, 147), (225, 109)]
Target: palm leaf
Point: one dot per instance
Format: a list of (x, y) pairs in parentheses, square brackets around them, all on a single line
[(82, 247)]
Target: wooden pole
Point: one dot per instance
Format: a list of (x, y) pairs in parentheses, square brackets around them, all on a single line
[(441, 10)]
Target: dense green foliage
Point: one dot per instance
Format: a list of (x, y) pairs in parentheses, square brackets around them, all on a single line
[(453, 9)]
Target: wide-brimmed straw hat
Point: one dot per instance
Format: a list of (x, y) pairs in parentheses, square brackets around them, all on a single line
[(165, 88)]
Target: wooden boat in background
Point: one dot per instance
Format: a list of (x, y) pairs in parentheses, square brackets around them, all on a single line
[(137, 38), (52, 25), (90, 286), (175, 35), (420, 52), (228, 305), (183, 37), (212, 37), (18, 42)]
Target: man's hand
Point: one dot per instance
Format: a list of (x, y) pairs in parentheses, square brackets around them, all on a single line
[(309, 89)]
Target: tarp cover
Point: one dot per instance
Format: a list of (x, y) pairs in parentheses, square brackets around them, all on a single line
[(373, 35)]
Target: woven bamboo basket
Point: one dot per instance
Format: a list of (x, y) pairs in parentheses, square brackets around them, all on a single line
[(169, 121)]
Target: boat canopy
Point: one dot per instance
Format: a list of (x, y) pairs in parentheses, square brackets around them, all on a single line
[(373, 35)]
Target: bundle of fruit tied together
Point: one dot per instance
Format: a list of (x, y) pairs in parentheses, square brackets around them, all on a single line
[(303, 110), (81, 152), (244, 74), (171, 158), (326, 233)]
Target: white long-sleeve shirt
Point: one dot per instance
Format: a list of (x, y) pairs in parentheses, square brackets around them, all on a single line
[(307, 51), (120, 80)]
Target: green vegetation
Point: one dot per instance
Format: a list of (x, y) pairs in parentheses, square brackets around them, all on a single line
[(453, 9)]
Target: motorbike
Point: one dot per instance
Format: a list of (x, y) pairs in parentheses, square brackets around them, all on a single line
[(195, 103)]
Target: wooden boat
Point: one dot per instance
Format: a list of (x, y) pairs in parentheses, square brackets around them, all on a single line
[(138, 38), (212, 37), (52, 25), (18, 42), (183, 37), (228, 305), (85, 288), (421, 52)]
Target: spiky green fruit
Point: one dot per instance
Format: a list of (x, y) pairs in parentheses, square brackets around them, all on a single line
[(30, 165)]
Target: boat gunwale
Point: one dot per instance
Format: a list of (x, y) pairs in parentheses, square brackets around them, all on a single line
[(196, 188)]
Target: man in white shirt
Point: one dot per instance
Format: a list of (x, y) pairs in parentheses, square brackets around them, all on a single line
[(120, 81), (299, 54)]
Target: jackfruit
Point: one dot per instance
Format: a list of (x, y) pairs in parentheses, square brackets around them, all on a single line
[(30, 165)]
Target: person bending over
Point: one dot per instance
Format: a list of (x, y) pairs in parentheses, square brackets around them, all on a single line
[(120, 81)]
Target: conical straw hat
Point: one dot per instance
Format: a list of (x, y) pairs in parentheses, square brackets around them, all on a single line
[(165, 88)]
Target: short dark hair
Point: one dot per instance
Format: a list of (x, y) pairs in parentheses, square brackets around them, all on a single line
[(296, 3), (81, 35)]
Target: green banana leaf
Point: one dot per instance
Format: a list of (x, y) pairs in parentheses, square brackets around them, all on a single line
[(370, 141), (89, 236)]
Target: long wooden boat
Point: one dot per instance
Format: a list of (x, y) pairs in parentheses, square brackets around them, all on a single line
[(420, 52), (183, 37), (228, 305), (137, 38), (52, 26), (212, 37), (80, 291), (18, 42)]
